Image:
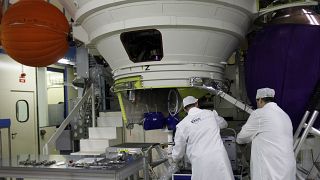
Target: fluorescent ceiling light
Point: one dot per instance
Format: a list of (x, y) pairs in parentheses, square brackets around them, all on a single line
[(66, 61)]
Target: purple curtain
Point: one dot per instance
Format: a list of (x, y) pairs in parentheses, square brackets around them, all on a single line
[(286, 58)]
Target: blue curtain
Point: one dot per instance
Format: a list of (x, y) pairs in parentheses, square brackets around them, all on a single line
[(286, 58)]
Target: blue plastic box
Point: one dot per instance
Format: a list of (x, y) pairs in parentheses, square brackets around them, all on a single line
[(5, 123)]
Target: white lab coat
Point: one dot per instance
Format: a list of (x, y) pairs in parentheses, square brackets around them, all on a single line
[(270, 130), (198, 135)]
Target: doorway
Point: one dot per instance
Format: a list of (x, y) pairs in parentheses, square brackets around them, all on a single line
[(57, 110), (23, 122)]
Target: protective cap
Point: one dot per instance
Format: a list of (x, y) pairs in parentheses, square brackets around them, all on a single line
[(189, 100), (265, 92)]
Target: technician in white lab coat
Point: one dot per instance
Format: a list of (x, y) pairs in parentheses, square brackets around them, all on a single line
[(269, 129), (198, 135)]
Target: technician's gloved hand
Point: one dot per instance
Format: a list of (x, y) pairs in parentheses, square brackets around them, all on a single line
[(171, 170)]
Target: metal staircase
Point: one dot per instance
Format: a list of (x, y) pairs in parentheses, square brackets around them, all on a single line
[(107, 133), (93, 140), (80, 111)]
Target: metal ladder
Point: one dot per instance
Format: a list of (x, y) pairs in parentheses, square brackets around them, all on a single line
[(307, 128)]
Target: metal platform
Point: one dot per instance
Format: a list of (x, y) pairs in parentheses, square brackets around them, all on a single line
[(142, 146), (146, 150), (62, 169)]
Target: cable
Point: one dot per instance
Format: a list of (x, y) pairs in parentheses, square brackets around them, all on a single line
[(174, 111)]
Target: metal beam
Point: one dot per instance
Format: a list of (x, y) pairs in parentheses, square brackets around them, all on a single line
[(227, 97)]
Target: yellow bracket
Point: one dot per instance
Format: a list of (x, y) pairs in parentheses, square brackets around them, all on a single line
[(128, 83), (123, 84), (123, 110)]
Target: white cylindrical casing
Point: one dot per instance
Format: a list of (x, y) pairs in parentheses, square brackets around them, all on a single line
[(198, 36)]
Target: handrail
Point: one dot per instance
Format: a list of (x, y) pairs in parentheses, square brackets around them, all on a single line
[(64, 124), (93, 106)]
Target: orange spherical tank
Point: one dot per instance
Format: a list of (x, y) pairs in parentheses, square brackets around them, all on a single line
[(1, 4), (34, 33)]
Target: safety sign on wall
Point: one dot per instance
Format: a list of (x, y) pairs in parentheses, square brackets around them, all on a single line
[(22, 78)]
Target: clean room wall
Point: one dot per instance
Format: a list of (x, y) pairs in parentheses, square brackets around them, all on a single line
[(10, 71)]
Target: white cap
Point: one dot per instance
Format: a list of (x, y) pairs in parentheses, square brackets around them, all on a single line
[(265, 92), (189, 100)]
